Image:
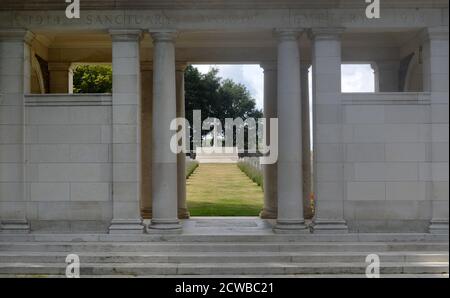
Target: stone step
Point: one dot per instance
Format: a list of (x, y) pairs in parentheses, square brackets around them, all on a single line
[(137, 269), (220, 257), (253, 236), (374, 247), (226, 276)]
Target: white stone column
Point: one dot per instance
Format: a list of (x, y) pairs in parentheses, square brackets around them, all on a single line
[(59, 77), (328, 143), (181, 157), (306, 140), (126, 136), (387, 76), (146, 138), (435, 80), (290, 193), (15, 64), (270, 209), (165, 178)]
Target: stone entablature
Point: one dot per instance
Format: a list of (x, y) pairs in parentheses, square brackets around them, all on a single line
[(214, 19), (221, 4)]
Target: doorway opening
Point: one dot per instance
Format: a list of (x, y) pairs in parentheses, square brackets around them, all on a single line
[(221, 183)]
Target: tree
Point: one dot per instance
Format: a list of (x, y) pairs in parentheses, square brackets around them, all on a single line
[(216, 97), (92, 79)]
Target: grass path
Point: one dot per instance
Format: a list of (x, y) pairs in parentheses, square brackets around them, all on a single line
[(222, 190)]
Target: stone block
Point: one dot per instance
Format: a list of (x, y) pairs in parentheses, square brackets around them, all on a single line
[(74, 172), (125, 172), (69, 134), (407, 191), (440, 133), (440, 191), (11, 191), (47, 115), (11, 153), (328, 133), (329, 153), (125, 114), (407, 114), (126, 191), (365, 152), (49, 192), (90, 192), (330, 191), (53, 210), (399, 152), (96, 153), (90, 211), (440, 113), (329, 171), (40, 153), (124, 134), (11, 134), (89, 115), (399, 133), (10, 172), (128, 84), (126, 210), (366, 191), (125, 153), (369, 133), (11, 115), (364, 114)]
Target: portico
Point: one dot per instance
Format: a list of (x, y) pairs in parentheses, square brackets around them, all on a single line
[(103, 161)]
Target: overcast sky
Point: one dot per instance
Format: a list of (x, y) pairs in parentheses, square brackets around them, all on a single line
[(355, 78)]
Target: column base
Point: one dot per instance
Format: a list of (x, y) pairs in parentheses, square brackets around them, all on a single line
[(146, 213), (268, 214), (439, 226), (183, 213), (329, 227), (164, 227), (121, 226), (15, 226), (291, 227)]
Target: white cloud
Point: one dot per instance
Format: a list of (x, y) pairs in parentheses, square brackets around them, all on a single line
[(355, 78)]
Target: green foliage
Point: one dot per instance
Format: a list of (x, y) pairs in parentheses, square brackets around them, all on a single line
[(190, 167), (222, 190), (216, 97), (253, 173), (92, 79)]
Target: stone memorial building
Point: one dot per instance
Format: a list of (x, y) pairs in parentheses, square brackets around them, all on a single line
[(91, 167), (102, 161)]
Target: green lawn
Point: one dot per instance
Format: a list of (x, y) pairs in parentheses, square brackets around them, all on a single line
[(222, 190)]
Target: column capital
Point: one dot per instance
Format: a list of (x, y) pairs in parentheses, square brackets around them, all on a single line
[(164, 36), (288, 34), (268, 65), (180, 65), (146, 65), (325, 32), (125, 34), (16, 35)]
